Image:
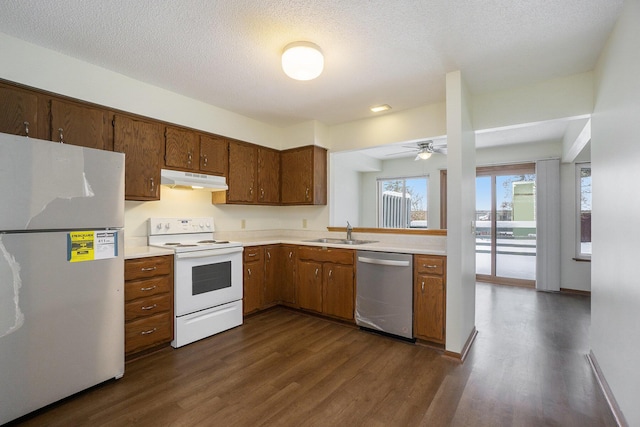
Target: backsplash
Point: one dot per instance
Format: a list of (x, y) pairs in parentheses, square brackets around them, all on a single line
[(196, 203)]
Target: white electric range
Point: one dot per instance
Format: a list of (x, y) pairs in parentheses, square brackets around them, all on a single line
[(207, 277)]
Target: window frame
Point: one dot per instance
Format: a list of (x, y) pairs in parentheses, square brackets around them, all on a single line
[(579, 255), (379, 191)]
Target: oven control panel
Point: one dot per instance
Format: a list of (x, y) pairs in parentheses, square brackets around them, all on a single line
[(162, 226)]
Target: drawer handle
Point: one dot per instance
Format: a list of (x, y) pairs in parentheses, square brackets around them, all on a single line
[(149, 269), (254, 254), (429, 266), (150, 331), (150, 288), (149, 307)]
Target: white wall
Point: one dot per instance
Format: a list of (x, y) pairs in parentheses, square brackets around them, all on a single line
[(570, 96), (615, 156)]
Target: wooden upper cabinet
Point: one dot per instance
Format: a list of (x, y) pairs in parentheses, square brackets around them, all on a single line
[(214, 155), (242, 172), (304, 176), (78, 124), (181, 149), (143, 144), (19, 112), (268, 176)]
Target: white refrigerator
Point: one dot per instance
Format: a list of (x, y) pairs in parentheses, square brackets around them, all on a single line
[(61, 271)]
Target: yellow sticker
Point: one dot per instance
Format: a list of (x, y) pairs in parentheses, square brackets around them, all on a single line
[(81, 246)]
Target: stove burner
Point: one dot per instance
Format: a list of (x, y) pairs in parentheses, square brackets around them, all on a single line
[(207, 241)]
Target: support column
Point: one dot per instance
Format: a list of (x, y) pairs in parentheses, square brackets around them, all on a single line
[(461, 185)]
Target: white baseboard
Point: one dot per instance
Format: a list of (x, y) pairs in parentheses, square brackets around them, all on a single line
[(608, 394)]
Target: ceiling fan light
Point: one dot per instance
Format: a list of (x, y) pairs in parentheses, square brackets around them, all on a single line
[(302, 60), (424, 155)]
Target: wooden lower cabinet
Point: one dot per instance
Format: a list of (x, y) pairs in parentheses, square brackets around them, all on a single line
[(429, 298), (310, 285), (272, 274), (253, 279), (338, 291), (287, 280), (148, 303), (326, 281)]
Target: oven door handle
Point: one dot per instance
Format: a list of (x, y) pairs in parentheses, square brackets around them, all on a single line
[(208, 253)]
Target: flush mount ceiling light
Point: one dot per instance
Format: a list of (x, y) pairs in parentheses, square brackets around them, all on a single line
[(380, 108), (302, 60)]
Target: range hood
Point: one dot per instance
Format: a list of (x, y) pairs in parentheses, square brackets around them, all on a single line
[(196, 181)]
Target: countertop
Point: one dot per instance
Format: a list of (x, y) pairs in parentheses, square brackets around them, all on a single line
[(383, 242), (399, 243), (131, 252)]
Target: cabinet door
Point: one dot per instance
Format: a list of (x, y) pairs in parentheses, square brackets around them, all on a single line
[(273, 273), (82, 125), (288, 277), (338, 290), (214, 155), (310, 285), (304, 176), (429, 301), (253, 286), (18, 112), (142, 142), (296, 176), (242, 172), (268, 176), (181, 149)]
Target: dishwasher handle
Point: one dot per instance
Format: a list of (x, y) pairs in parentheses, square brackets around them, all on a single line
[(389, 262)]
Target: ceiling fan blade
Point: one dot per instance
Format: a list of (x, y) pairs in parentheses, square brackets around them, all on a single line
[(441, 150)]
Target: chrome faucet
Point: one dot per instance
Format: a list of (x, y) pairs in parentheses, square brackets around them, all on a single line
[(349, 230)]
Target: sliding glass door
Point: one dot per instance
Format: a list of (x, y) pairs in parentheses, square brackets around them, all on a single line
[(506, 224)]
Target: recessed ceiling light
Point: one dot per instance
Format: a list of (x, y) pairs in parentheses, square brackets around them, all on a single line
[(380, 108)]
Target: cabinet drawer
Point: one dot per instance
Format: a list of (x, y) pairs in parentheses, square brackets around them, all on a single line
[(429, 264), (147, 307), (337, 256), (147, 267), (145, 288), (252, 254), (147, 332)]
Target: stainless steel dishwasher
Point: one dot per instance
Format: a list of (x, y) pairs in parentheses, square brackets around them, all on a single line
[(384, 295)]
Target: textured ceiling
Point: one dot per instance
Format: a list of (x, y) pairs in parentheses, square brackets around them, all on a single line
[(227, 52)]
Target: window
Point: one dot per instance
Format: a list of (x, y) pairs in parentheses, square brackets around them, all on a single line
[(583, 209), (402, 202)]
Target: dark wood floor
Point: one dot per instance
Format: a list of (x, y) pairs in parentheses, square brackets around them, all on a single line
[(527, 368)]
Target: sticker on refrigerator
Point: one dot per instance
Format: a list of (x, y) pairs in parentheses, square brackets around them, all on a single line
[(91, 245)]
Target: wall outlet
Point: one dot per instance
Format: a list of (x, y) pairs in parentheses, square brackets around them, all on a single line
[(304, 223), (243, 224)]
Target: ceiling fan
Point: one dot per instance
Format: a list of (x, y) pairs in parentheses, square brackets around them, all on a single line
[(426, 148)]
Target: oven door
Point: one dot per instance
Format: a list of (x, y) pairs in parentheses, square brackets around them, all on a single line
[(207, 278)]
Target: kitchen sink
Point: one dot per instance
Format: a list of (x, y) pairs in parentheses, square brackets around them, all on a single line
[(341, 241)]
